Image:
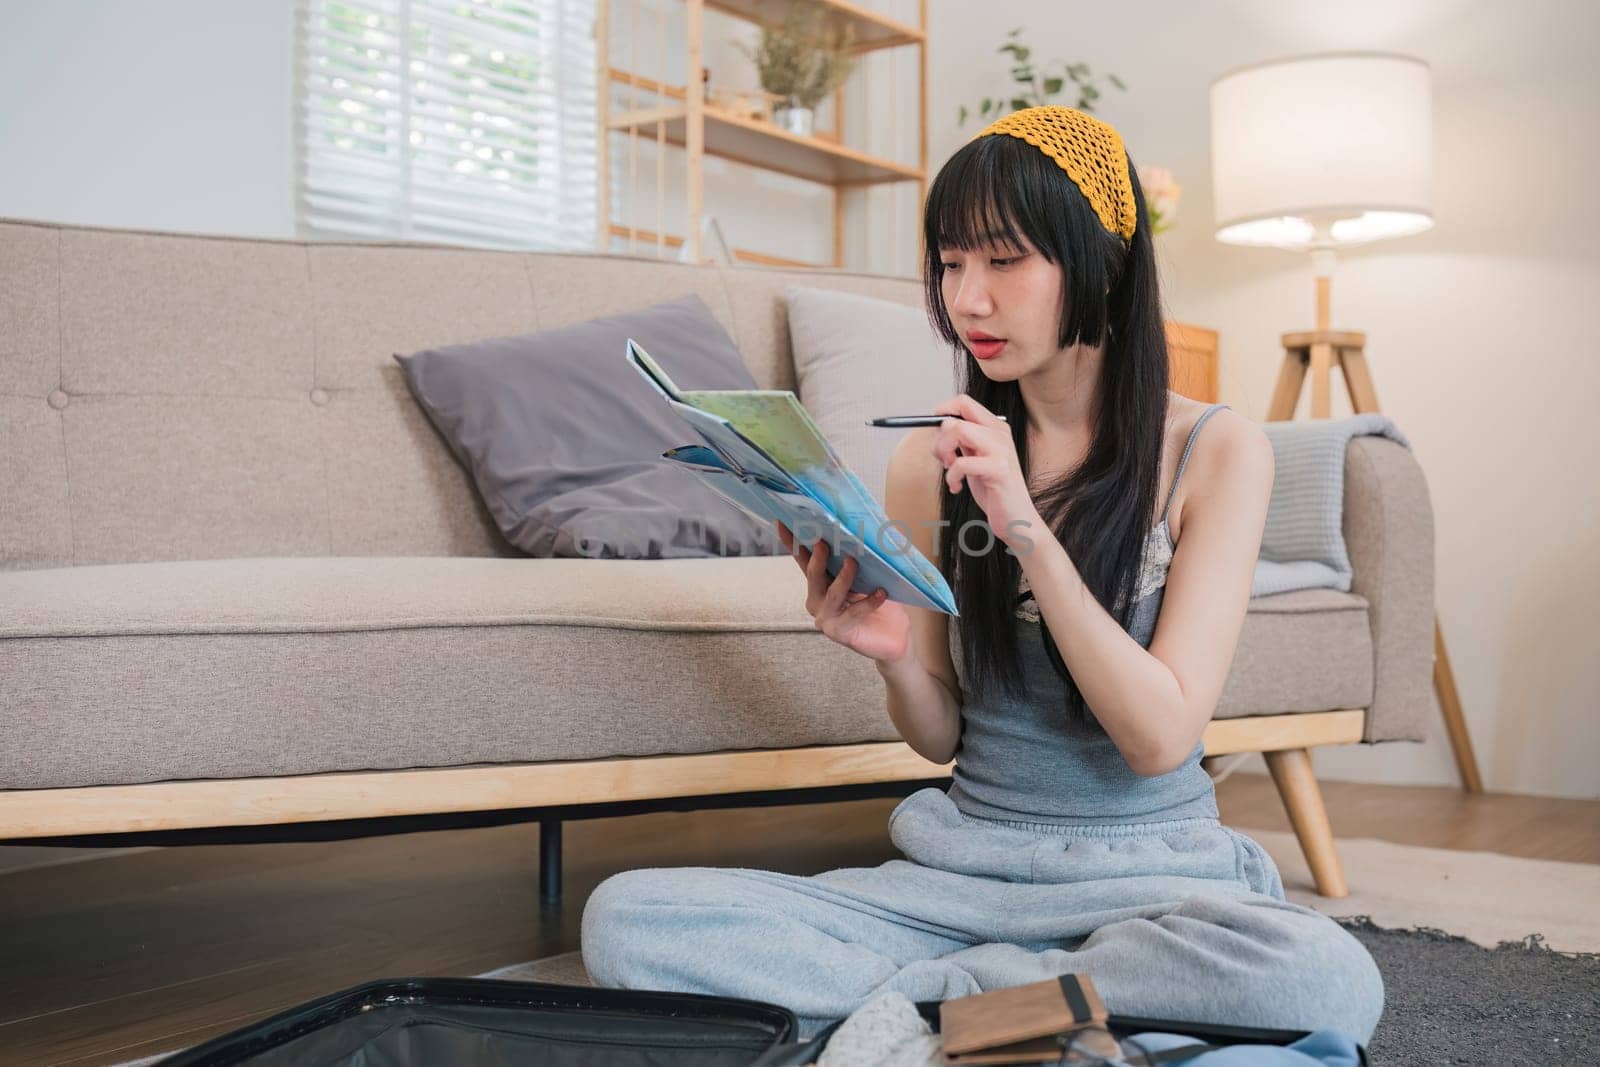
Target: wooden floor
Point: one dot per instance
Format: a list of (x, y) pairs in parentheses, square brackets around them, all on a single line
[(120, 957)]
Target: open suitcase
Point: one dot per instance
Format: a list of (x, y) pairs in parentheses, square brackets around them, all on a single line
[(482, 1022), (479, 1022)]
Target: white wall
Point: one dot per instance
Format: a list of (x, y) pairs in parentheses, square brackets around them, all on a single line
[(177, 115), (151, 114)]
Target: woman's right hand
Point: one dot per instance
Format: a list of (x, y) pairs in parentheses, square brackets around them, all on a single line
[(868, 623)]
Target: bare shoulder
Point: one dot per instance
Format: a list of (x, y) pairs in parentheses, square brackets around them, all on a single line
[(913, 476), (1232, 457), (1230, 432), (1230, 450), (915, 450)]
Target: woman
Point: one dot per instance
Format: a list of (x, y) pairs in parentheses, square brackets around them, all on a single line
[(1081, 833)]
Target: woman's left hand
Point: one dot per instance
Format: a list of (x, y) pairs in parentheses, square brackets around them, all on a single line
[(987, 464)]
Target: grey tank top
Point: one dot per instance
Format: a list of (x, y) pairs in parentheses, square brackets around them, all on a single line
[(1020, 761)]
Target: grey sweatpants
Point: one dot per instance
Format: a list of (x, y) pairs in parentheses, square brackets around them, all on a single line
[(1178, 920)]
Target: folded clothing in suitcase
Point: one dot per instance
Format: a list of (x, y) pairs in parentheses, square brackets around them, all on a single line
[(889, 1031)]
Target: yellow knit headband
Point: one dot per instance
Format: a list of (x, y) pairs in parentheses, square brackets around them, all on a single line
[(1090, 151)]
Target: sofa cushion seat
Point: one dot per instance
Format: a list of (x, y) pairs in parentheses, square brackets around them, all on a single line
[(277, 666), (145, 672), (1305, 650), (329, 594)]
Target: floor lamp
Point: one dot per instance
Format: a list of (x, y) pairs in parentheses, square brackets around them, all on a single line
[(1311, 154)]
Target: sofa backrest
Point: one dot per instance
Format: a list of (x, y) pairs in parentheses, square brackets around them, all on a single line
[(169, 396)]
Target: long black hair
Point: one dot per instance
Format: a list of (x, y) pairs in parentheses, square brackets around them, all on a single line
[(1102, 510)]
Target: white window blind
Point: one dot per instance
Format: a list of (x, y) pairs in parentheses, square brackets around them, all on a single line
[(467, 122)]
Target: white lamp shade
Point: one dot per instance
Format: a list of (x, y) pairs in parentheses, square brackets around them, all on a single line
[(1322, 150)]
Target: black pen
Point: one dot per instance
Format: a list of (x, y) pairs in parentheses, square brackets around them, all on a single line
[(899, 421)]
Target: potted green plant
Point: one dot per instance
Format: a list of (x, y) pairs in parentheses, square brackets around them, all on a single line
[(800, 63), (1032, 88)]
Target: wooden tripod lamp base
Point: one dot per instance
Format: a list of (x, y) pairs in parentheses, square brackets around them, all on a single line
[(1319, 351)]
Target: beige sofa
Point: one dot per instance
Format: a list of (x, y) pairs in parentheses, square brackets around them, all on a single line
[(243, 583)]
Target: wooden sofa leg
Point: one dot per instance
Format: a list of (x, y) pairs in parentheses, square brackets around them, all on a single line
[(550, 861), (1297, 785)]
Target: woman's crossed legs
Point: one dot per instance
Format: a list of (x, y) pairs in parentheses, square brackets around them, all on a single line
[(1017, 907)]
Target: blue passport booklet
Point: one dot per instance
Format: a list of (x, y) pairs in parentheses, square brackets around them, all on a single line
[(763, 453)]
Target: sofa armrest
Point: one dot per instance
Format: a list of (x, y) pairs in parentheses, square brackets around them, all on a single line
[(1388, 531)]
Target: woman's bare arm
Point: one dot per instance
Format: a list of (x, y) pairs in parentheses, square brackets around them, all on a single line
[(1155, 704), (923, 693)]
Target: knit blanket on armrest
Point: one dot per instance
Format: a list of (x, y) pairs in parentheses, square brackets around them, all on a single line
[(1303, 544)]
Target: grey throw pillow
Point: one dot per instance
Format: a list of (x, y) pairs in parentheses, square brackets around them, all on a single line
[(563, 438), (857, 357)]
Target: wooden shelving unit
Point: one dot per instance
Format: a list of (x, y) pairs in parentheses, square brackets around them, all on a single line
[(681, 116)]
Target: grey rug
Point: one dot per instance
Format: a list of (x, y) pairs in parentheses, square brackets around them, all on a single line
[(1450, 1001)]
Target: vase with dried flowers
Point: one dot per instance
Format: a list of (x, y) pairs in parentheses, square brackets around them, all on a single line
[(800, 62), (1160, 198)]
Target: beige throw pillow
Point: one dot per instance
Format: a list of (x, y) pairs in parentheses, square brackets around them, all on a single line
[(857, 357)]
